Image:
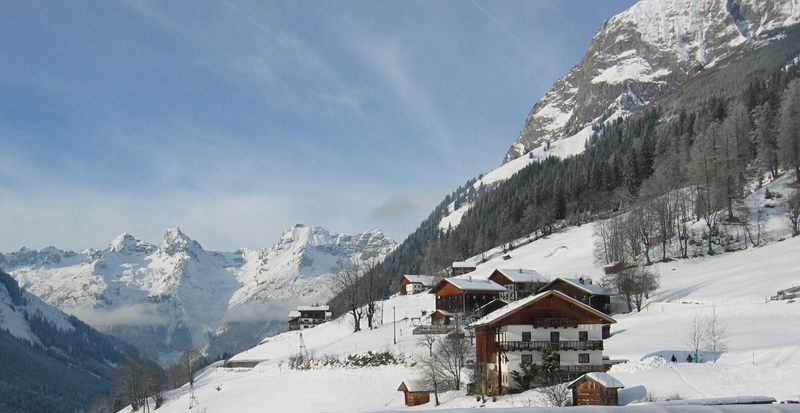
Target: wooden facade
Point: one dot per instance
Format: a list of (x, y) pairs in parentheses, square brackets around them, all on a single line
[(596, 300), (414, 396), (589, 392), (550, 311), (516, 290), (458, 301)]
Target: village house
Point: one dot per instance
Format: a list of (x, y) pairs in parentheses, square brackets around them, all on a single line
[(519, 283), (583, 290), (492, 306), (518, 333), (595, 389), (308, 316), (415, 284), (461, 268), (464, 295)]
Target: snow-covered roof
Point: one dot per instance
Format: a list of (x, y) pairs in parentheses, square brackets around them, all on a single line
[(468, 284), (293, 314), (313, 308), (516, 305), (585, 286), (519, 275), (426, 280), (604, 379), (415, 386), (496, 300), (463, 264), (444, 312)]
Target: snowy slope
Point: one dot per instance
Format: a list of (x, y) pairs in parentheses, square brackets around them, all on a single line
[(173, 296), (763, 342)]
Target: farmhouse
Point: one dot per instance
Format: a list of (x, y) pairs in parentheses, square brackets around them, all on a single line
[(308, 316), (416, 392), (517, 333), (415, 284), (595, 388), (519, 283), (461, 295), (461, 268), (583, 290)]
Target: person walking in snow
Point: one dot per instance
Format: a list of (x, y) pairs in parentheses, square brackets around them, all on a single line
[(689, 358), (702, 359), (674, 359)]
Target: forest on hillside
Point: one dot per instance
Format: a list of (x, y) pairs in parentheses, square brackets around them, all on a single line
[(695, 153)]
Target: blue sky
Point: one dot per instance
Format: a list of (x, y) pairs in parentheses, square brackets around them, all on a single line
[(237, 119)]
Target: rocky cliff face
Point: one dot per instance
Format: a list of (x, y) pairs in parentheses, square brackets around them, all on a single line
[(644, 53), (177, 295)]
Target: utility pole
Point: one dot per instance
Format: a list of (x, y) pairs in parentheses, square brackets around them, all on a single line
[(394, 323)]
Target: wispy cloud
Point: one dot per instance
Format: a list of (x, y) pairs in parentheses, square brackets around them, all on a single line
[(133, 315)]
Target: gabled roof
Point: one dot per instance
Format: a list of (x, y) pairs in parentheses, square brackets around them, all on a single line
[(470, 284), (463, 264), (313, 308), (293, 314), (604, 379), (520, 304), (426, 280), (585, 286), (443, 312), (519, 275), (494, 302), (414, 386)]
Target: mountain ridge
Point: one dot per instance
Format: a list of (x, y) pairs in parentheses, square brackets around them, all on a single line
[(177, 295)]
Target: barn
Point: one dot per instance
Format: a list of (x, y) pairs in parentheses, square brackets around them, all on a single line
[(416, 392), (595, 388)]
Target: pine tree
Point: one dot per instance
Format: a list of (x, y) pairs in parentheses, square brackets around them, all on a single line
[(789, 137)]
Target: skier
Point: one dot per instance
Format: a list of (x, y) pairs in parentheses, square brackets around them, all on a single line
[(689, 358), (674, 359)]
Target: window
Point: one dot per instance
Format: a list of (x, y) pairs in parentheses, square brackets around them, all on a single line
[(583, 336), (555, 336), (526, 336), (583, 358), (528, 358)]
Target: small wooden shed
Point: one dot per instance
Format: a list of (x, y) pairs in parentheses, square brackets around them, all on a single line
[(416, 392), (599, 389)]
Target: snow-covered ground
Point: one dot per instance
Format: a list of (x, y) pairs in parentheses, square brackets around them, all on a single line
[(762, 357)]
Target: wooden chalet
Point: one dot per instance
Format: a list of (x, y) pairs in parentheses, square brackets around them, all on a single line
[(595, 389), (415, 284), (309, 316), (517, 333), (463, 295), (461, 267), (583, 290), (415, 392), (519, 283)]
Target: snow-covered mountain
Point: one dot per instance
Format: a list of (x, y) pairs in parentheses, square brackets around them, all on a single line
[(176, 295), (645, 52), (51, 361)]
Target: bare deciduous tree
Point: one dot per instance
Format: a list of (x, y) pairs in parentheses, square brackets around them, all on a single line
[(347, 283), (452, 354), (427, 340), (716, 333), (431, 374), (635, 285), (696, 335), (793, 212), (557, 395)]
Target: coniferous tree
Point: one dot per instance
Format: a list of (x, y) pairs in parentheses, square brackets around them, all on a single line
[(789, 137)]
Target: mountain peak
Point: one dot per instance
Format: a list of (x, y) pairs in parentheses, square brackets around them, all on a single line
[(176, 241)]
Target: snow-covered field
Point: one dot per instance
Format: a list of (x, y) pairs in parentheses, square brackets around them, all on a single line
[(762, 357)]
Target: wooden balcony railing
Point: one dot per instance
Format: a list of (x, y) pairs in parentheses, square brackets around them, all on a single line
[(554, 323), (554, 345), (581, 369)]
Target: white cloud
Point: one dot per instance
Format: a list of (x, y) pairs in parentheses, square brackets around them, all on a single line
[(132, 315)]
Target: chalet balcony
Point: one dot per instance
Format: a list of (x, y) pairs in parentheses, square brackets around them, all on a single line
[(554, 345), (555, 323), (581, 369)]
